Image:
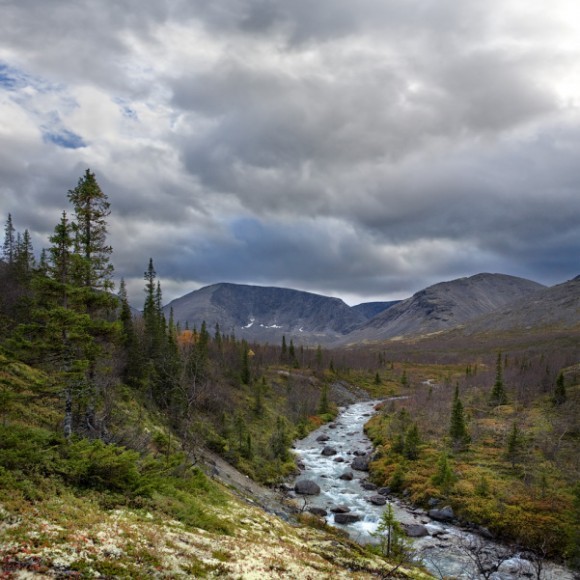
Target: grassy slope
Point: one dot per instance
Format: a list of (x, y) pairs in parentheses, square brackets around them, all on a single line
[(84, 509)]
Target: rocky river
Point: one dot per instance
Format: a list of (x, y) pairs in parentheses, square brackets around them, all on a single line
[(334, 484)]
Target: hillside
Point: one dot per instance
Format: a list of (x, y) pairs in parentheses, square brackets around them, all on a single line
[(445, 305), (265, 314)]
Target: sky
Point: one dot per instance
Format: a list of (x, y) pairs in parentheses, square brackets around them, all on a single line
[(364, 150)]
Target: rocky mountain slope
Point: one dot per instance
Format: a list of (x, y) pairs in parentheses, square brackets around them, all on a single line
[(446, 305), (266, 314)]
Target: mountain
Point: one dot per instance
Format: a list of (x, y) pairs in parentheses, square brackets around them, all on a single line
[(554, 307), (371, 309), (446, 305), (266, 314)]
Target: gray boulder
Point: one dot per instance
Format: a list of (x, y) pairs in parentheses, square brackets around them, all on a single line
[(384, 490), (322, 438), (360, 464), (442, 515), (378, 499), (340, 509), (346, 518), (318, 511), (347, 476), (327, 451), (306, 487), (368, 486), (415, 530)]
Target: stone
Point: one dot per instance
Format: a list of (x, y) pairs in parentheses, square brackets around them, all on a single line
[(327, 451), (300, 465), (368, 486), (359, 453), (339, 459), (318, 511), (442, 515), (323, 438), (384, 490), (432, 502), (347, 476), (415, 530), (340, 509), (346, 518), (378, 499), (332, 426), (306, 487), (360, 464)]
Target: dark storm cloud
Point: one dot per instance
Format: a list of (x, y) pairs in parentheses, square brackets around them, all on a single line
[(369, 148)]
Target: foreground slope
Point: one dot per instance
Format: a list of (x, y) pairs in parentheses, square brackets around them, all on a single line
[(446, 305)]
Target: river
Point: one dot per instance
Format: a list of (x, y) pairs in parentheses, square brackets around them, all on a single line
[(444, 551)]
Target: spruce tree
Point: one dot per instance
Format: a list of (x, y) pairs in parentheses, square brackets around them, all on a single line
[(560, 390), (9, 246), (515, 445), (412, 442), (498, 393), (91, 209), (458, 429)]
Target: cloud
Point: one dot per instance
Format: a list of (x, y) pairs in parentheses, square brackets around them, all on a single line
[(369, 148)]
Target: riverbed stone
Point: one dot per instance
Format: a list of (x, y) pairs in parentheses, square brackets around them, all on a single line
[(415, 530), (444, 514), (384, 490), (340, 509), (328, 451), (323, 437), (306, 487), (359, 453), (360, 464), (318, 511), (368, 486), (378, 500), (347, 476), (346, 518), (339, 459)]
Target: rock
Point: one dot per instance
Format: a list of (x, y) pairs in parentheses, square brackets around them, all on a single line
[(378, 500), (346, 518), (340, 509), (323, 438), (384, 490), (285, 488), (300, 465), (327, 451), (317, 511), (432, 502), (368, 486), (332, 426), (360, 464), (339, 459), (347, 476), (442, 515), (306, 487), (359, 453), (415, 530)]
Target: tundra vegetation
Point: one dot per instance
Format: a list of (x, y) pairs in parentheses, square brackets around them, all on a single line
[(105, 418)]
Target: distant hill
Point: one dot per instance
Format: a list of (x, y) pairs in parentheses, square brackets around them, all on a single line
[(266, 314), (446, 305), (554, 307)]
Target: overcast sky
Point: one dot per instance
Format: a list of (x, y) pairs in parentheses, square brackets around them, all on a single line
[(360, 149)]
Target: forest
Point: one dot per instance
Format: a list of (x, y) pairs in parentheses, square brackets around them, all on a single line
[(98, 398)]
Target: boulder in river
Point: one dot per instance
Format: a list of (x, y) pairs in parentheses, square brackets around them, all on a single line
[(318, 511), (306, 487), (378, 499), (340, 509), (359, 453), (415, 530), (368, 486), (360, 463), (442, 515), (346, 518), (339, 459), (323, 437), (347, 476), (384, 490), (327, 451)]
